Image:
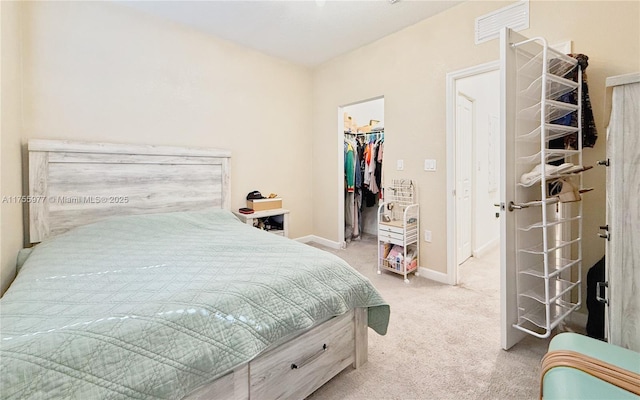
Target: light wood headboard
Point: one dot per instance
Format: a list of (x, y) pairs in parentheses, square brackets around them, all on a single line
[(76, 183)]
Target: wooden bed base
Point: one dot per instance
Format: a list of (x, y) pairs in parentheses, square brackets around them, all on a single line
[(298, 367), (72, 181)]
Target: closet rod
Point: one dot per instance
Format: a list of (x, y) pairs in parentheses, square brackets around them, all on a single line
[(377, 133)]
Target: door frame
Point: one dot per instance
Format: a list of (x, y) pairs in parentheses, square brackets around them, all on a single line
[(451, 80), (340, 179)]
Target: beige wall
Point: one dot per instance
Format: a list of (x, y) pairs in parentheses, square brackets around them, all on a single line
[(10, 140), (409, 69), (100, 71)]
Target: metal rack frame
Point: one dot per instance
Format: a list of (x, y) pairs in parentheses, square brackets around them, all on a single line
[(399, 224), (547, 292)]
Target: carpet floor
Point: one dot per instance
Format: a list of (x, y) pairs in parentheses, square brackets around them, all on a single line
[(443, 341)]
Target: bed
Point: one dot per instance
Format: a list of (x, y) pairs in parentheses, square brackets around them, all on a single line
[(144, 285)]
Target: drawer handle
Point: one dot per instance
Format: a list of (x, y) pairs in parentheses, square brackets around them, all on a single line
[(311, 358)]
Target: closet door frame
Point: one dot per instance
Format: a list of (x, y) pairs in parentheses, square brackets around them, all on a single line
[(342, 244)]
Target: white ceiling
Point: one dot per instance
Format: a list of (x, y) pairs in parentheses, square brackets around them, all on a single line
[(307, 32)]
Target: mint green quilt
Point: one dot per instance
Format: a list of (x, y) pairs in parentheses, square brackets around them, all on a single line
[(154, 306)]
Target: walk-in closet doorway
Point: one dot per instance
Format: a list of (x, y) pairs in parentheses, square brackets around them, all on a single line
[(473, 177), (360, 143)]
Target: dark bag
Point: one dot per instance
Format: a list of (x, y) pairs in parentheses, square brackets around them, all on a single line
[(595, 320)]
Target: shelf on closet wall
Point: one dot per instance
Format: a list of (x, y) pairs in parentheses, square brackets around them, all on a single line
[(558, 64), (550, 156), (553, 131), (555, 85), (562, 264), (547, 224), (553, 110)]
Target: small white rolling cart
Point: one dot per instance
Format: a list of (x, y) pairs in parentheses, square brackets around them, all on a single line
[(398, 230)]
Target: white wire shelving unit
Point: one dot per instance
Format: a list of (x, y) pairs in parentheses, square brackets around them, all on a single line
[(548, 273)]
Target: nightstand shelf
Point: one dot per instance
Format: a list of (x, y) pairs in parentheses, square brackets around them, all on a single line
[(252, 219)]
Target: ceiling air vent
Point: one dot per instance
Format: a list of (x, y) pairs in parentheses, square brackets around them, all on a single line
[(515, 16)]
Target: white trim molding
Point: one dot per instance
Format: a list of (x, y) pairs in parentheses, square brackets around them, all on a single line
[(452, 77), (319, 240), (434, 275), (482, 251)]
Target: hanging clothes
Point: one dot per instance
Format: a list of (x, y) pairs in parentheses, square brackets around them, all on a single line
[(372, 190), (373, 186), (364, 189), (353, 181), (378, 174), (361, 164), (349, 166), (589, 132), (349, 202), (366, 163)]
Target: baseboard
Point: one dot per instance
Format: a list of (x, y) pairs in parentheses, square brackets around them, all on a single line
[(319, 240), (304, 239), (434, 275), (487, 248)]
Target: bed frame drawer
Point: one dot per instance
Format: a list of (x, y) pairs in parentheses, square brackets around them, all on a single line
[(301, 366)]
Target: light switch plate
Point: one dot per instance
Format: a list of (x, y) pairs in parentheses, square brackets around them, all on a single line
[(427, 235), (400, 165), (429, 165)]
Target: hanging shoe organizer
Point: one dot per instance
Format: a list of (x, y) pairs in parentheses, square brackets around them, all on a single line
[(398, 229), (548, 196)]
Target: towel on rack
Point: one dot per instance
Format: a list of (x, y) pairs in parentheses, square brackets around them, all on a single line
[(534, 176)]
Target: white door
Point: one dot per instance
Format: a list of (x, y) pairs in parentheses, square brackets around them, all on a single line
[(509, 335), (464, 162)]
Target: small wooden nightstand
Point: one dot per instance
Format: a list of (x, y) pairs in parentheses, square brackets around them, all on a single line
[(249, 219)]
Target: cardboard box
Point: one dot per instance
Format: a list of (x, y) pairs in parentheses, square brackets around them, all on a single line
[(364, 129), (350, 124), (264, 204)]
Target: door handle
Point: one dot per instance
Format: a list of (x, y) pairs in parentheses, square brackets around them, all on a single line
[(599, 286), (604, 162), (514, 206)]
